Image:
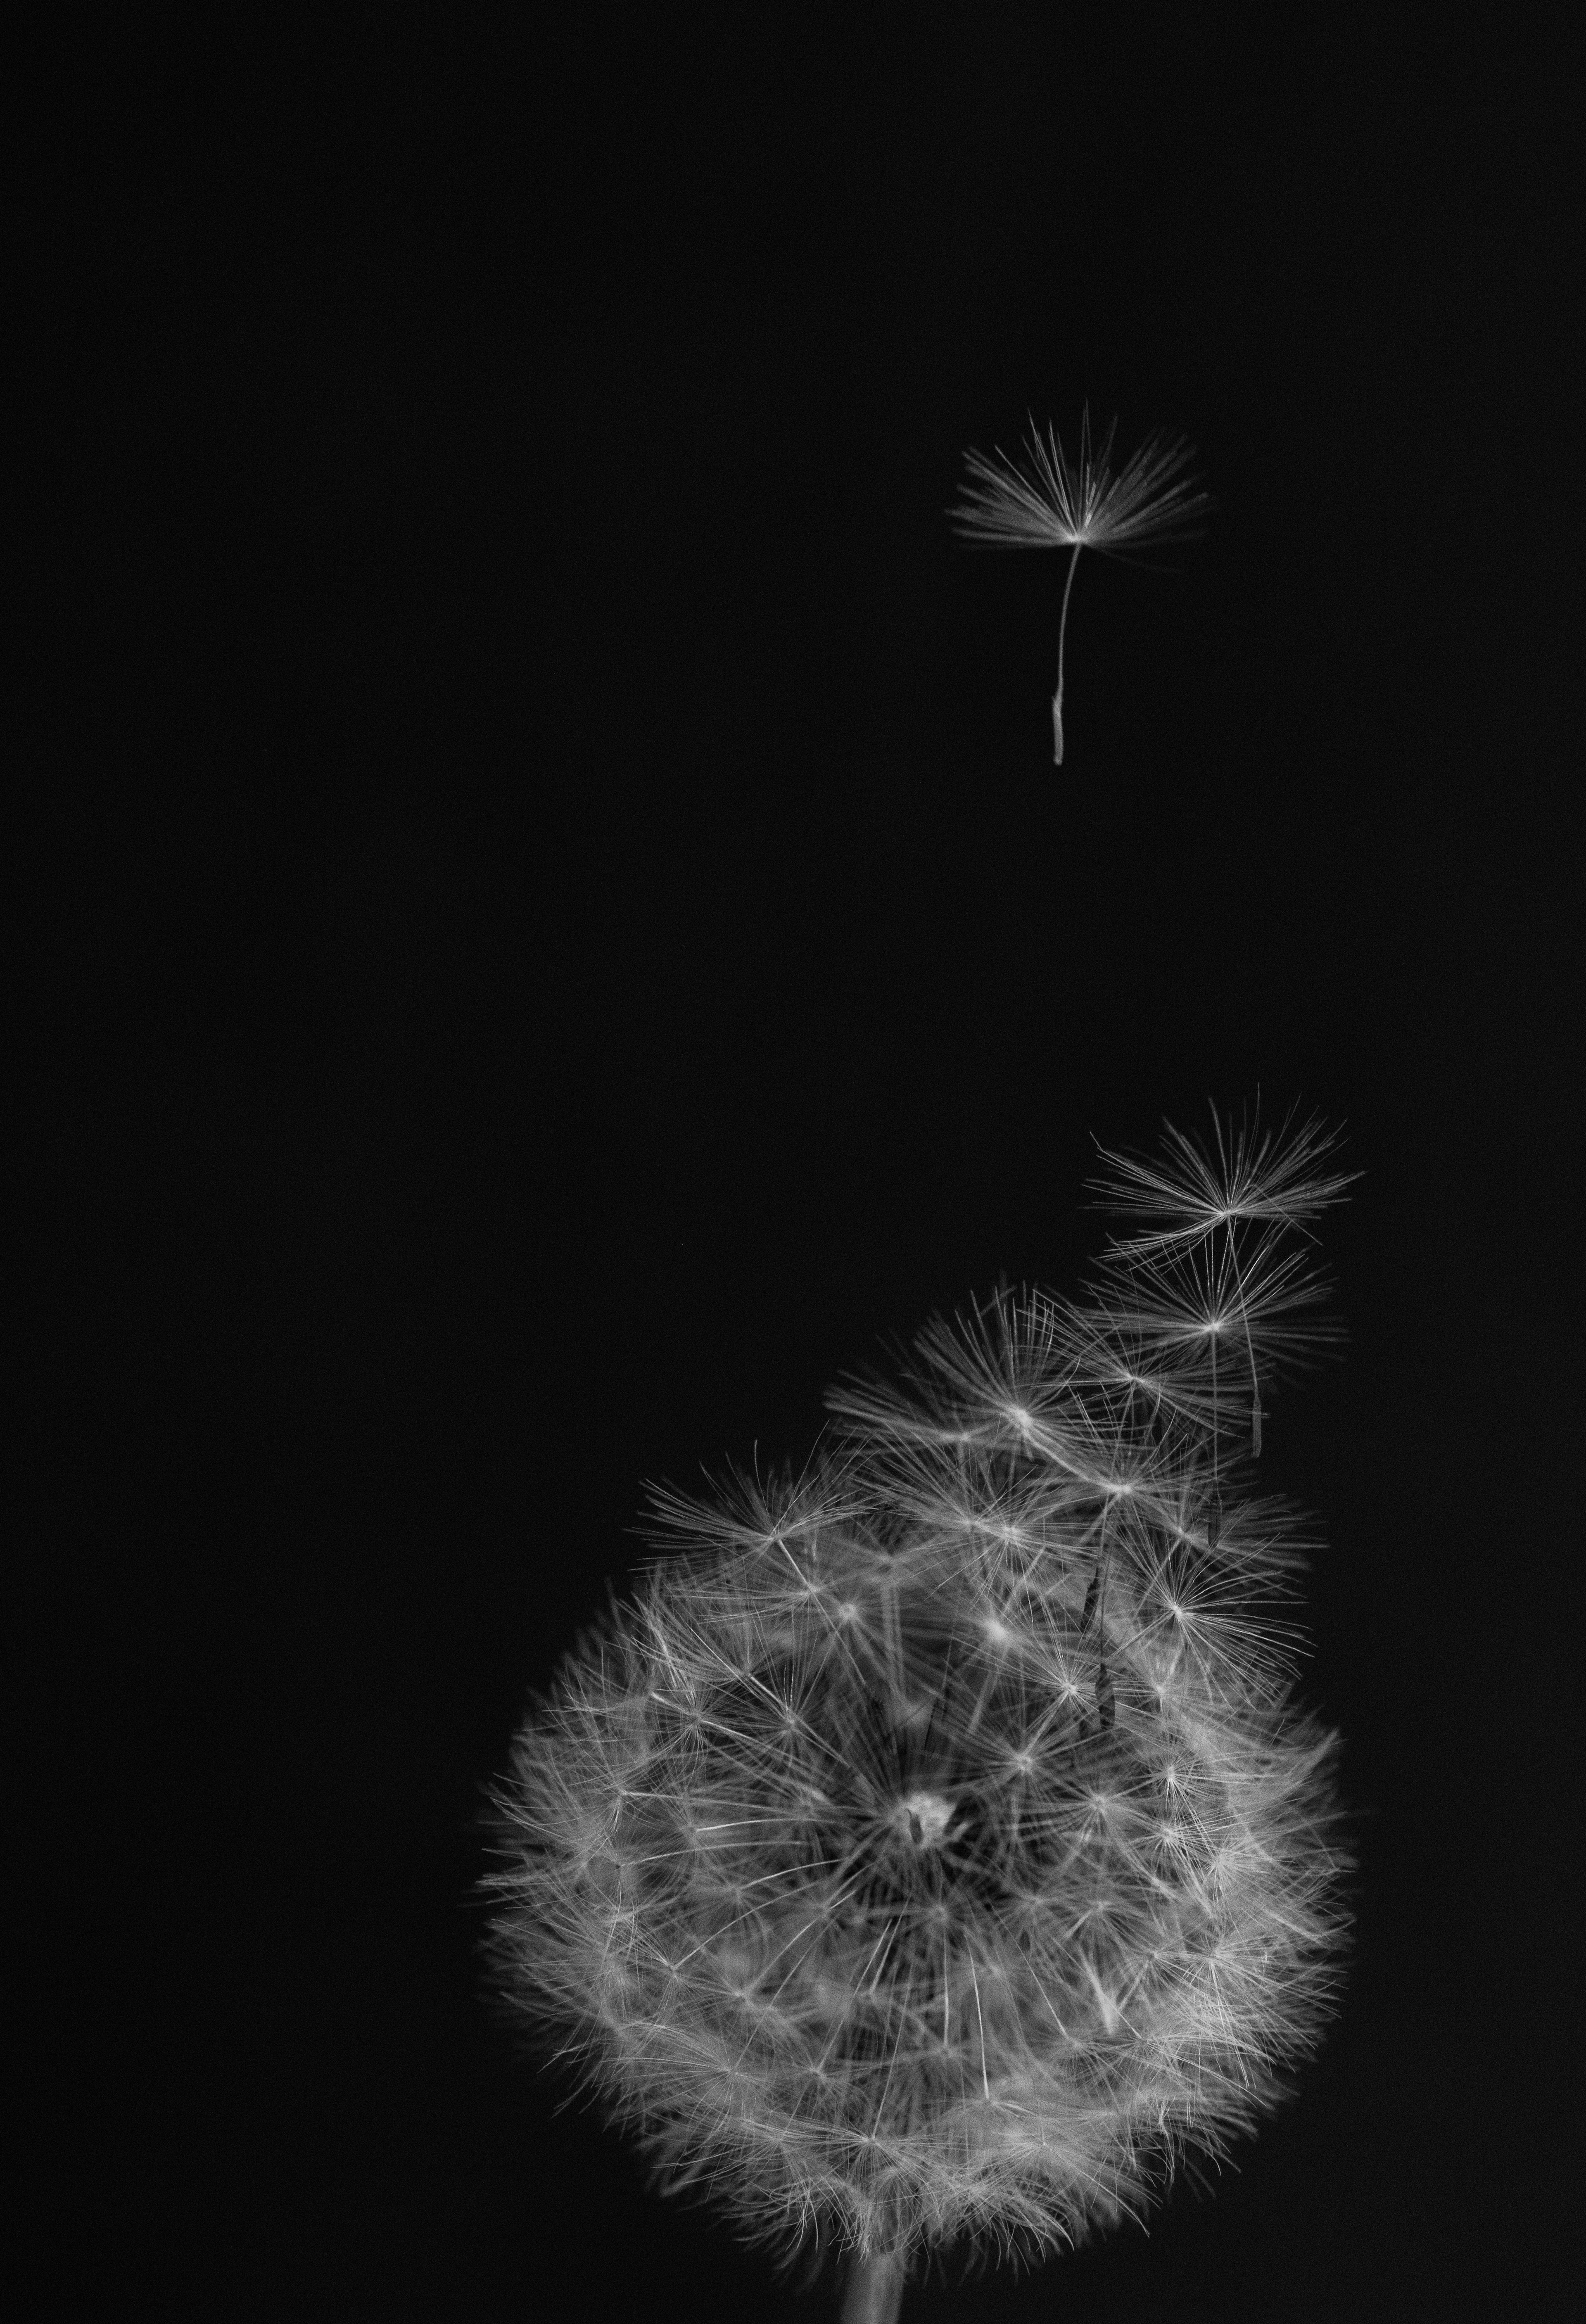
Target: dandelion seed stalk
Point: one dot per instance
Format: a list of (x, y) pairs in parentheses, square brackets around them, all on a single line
[(1050, 503), (1061, 639), (933, 1851)]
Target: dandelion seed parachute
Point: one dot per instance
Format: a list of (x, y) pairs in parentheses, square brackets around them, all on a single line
[(1152, 499), (933, 1851)]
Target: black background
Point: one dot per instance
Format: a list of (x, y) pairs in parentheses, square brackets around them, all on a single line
[(555, 929)]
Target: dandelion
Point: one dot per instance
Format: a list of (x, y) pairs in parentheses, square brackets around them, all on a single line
[(933, 1851), (1151, 500)]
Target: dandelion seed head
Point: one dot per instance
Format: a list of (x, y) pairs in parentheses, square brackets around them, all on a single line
[(933, 1850)]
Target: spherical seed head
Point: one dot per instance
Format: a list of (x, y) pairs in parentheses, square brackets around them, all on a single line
[(932, 1850)]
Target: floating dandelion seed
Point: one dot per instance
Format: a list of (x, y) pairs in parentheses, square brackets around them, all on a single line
[(933, 1851), (1152, 499), (1208, 1273)]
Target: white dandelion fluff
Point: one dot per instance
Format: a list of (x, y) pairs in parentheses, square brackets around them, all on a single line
[(1153, 499), (934, 1852)]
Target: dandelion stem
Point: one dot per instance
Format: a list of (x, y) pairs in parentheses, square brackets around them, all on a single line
[(875, 2291), (1061, 636)]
